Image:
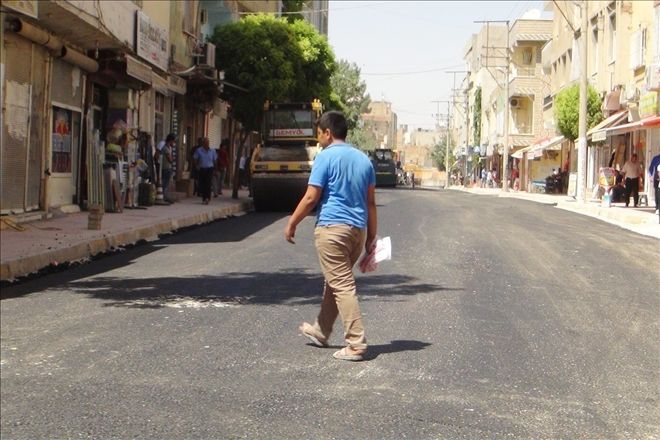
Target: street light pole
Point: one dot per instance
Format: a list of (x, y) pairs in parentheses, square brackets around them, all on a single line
[(507, 110), (582, 127), (453, 90)]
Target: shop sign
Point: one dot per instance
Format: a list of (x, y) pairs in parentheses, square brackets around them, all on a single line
[(26, 7), (648, 105), (151, 41), (599, 136)]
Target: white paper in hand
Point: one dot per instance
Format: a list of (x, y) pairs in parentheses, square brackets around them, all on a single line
[(383, 249), (380, 252)]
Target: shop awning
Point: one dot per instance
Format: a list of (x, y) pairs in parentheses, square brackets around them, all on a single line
[(547, 144), (642, 124), (598, 133)]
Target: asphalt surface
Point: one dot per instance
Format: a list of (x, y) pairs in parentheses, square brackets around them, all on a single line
[(496, 318)]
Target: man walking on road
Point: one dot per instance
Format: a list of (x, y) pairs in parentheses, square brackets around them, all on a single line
[(343, 181)]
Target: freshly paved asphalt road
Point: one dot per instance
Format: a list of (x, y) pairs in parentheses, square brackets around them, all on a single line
[(497, 318)]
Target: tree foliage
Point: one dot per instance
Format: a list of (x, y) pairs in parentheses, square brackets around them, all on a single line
[(317, 64), (350, 92), (275, 60), (291, 9), (477, 117), (567, 110), (362, 137), (438, 155)]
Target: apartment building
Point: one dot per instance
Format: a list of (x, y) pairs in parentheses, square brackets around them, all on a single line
[(73, 71), (487, 54), (622, 65), (381, 120)]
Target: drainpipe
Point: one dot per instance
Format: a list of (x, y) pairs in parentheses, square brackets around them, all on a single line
[(53, 43), (79, 59)]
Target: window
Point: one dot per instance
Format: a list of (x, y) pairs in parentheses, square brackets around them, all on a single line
[(527, 55), (612, 38), (65, 138)]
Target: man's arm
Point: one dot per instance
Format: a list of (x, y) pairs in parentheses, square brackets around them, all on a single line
[(372, 219), (305, 206)]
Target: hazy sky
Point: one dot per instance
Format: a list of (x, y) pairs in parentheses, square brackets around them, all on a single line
[(390, 39)]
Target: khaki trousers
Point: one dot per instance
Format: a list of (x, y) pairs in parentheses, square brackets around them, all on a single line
[(339, 247)]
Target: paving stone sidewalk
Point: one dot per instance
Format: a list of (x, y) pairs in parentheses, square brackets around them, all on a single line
[(66, 239), (642, 220)]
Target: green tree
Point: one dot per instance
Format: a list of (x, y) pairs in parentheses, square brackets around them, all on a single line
[(317, 64), (350, 92), (438, 155), (477, 117), (291, 9), (274, 60), (567, 110)]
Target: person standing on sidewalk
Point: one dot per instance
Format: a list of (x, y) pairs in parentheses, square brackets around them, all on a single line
[(164, 156), (654, 172), (223, 163), (632, 170), (343, 182), (205, 159)]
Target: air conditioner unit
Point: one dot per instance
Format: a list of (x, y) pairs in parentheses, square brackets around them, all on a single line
[(210, 54), (203, 16), (206, 55)]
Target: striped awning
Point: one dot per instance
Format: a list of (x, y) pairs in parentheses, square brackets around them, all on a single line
[(533, 37), (546, 144), (598, 133), (521, 91)]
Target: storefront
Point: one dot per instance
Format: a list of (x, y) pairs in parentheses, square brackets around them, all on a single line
[(25, 124), (539, 161)]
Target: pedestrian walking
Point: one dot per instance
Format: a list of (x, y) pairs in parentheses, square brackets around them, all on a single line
[(654, 172), (193, 171), (343, 184), (165, 158), (223, 163), (632, 170), (205, 159)]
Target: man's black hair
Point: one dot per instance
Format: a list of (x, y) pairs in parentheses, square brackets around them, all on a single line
[(335, 122), (170, 137)]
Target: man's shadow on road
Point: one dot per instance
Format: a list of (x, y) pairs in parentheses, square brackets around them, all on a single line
[(393, 347), (373, 351)]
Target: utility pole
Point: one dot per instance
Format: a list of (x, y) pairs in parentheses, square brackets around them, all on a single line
[(582, 126), (454, 102), (447, 135), (507, 64)]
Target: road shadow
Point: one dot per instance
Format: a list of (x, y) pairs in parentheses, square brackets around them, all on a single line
[(394, 347), (232, 229), (291, 287)]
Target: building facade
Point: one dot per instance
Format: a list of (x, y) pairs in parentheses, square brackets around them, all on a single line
[(381, 120), (622, 64)]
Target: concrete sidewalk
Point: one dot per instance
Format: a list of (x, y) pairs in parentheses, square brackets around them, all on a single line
[(642, 220), (67, 239)]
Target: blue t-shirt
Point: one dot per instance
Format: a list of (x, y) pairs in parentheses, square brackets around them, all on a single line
[(344, 173), (205, 157)]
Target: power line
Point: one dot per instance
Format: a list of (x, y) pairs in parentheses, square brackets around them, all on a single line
[(414, 72)]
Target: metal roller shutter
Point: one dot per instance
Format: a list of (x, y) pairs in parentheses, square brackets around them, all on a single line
[(214, 130), (15, 124)]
